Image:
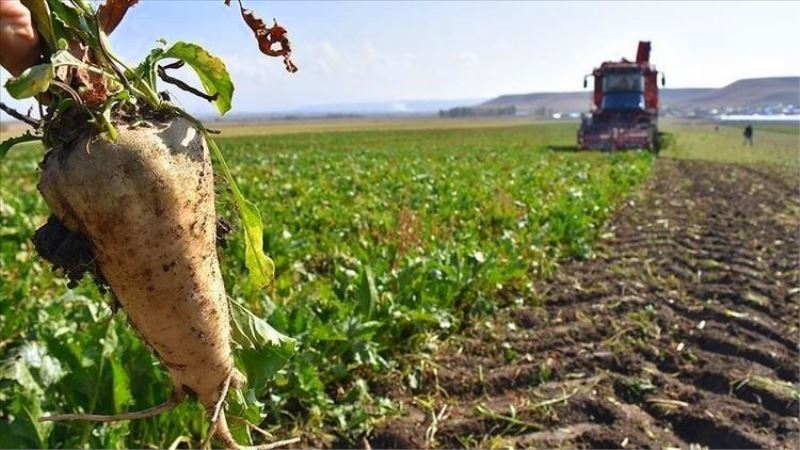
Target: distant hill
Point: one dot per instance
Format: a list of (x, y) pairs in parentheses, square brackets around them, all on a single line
[(755, 92), (752, 92), (387, 107)]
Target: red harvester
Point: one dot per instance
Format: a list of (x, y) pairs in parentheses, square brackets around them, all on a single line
[(625, 105)]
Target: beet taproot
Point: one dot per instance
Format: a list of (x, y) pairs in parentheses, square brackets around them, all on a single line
[(130, 185), (146, 204)]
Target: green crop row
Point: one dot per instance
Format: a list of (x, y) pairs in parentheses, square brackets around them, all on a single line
[(385, 243)]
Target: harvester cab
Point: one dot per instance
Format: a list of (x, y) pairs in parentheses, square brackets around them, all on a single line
[(624, 112)]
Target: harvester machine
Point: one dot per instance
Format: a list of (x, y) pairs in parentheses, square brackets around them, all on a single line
[(624, 112)]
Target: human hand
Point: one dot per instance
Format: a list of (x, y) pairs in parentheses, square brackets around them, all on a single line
[(20, 44)]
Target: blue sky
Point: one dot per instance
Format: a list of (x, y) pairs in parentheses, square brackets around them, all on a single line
[(350, 52)]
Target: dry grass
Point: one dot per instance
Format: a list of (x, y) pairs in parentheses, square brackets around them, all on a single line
[(235, 129), (325, 125)]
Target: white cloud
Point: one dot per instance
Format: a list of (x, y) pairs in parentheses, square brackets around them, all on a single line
[(466, 57)]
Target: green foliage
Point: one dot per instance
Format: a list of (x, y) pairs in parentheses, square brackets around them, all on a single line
[(260, 266), (775, 144), (262, 350), (6, 145), (210, 69), (42, 17), (384, 243), (111, 87), (32, 81)]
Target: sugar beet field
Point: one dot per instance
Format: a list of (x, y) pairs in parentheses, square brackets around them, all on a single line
[(460, 287)]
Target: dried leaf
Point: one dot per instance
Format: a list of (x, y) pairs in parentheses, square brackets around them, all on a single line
[(96, 91), (112, 12), (267, 37), (90, 85)]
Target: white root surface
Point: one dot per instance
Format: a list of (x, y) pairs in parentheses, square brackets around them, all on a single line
[(146, 202)]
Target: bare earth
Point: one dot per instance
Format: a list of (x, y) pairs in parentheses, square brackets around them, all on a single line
[(683, 329)]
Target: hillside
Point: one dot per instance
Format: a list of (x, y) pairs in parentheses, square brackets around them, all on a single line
[(754, 93)]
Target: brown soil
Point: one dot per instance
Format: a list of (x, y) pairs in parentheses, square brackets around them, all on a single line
[(68, 251), (683, 330)]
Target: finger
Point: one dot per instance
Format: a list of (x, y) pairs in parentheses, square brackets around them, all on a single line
[(19, 40)]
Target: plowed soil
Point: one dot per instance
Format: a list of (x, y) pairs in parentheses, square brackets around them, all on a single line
[(682, 330)]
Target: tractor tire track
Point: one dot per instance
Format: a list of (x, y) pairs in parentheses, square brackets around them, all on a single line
[(682, 330)]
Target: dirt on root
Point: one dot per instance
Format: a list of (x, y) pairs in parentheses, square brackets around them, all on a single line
[(69, 251), (682, 330)]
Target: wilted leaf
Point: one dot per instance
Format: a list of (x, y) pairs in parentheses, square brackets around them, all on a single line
[(94, 91), (267, 37), (112, 12), (32, 81)]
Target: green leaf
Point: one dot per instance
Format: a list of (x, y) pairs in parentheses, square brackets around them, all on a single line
[(37, 79), (260, 266), (32, 81), (246, 407), (121, 387), (210, 69), (253, 332), (263, 350), (25, 427), (69, 16), (15, 369), (366, 294), (260, 366), (240, 431), (65, 58), (105, 116), (69, 24), (6, 145), (41, 15)]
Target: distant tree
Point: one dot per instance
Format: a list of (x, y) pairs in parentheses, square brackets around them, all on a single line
[(464, 111)]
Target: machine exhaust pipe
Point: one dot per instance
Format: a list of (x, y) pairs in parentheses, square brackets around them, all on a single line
[(643, 53)]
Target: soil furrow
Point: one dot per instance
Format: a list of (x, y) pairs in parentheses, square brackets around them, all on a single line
[(686, 320)]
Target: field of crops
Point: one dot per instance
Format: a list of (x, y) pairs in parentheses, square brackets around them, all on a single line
[(385, 242), (776, 145)]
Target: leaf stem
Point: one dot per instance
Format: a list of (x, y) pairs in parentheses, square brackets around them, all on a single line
[(83, 6), (87, 429), (162, 73)]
